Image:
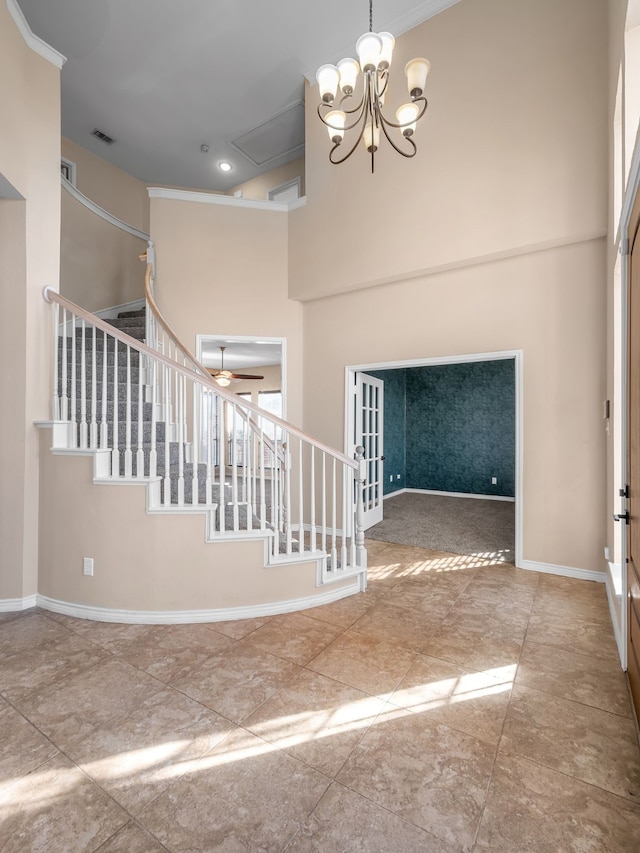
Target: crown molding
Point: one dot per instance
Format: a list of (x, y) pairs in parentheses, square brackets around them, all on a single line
[(223, 200), (31, 39)]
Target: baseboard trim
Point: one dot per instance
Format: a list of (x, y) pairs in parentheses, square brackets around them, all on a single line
[(563, 571), (112, 312), (9, 605), (180, 617), (613, 596), (456, 495)]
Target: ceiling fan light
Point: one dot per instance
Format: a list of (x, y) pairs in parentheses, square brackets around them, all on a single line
[(369, 48), (328, 78), (335, 121), (407, 115), (223, 381), (388, 43), (416, 71), (349, 70)]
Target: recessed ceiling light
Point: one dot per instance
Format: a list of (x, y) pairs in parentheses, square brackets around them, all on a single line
[(224, 166)]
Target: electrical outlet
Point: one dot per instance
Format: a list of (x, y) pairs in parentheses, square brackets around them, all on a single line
[(494, 481), (391, 478), (607, 553), (397, 476), (87, 566)]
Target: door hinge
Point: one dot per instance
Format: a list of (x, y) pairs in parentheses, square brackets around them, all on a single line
[(624, 246), (624, 493), (622, 516)]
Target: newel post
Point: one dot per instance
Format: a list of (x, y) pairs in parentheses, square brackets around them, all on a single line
[(360, 475)]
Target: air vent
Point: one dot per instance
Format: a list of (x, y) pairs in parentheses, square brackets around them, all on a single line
[(102, 136)]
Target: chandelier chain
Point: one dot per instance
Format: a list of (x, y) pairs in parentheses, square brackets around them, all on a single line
[(370, 16)]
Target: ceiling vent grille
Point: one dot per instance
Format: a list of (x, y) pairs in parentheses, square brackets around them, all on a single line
[(102, 136)]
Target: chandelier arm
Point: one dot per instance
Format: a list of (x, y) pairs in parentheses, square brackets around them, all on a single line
[(362, 109), (423, 110), (350, 152), (409, 139)]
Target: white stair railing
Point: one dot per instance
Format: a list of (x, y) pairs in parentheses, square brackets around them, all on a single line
[(162, 419)]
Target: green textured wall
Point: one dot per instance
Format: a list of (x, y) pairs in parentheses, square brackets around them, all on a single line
[(450, 427)]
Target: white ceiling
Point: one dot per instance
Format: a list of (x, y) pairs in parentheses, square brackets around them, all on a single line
[(163, 77), (240, 354)]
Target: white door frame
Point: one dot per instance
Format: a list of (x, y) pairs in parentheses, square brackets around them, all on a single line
[(517, 355)]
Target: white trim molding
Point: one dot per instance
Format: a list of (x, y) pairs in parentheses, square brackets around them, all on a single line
[(224, 200), (457, 495), (181, 617), (31, 39), (563, 571), (11, 605), (100, 211)]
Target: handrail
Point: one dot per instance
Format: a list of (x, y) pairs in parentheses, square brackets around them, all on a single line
[(100, 211), (186, 353), (51, 295)]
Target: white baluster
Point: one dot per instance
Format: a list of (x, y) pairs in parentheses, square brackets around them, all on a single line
[(104, 429), (324, 503), (334, 532), (128, 455), (300, 499), (73, 419), (55, 400), (83, 388), (93, 426), (234, 468), (263, 504), (140, 451), (222, 450), (64, 408), (181, 442), (195, 443), (287, 500), (166, 393), (209, 402), (351, 483), (153, 453), (343, 548), (312, 475), (361, 551), (115, 452), (248, 468)]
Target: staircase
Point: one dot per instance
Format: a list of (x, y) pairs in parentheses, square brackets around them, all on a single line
[(152, 414)]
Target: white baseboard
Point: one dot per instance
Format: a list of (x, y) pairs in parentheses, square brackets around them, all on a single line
[(9, 605), (563, 571), (614, 597), (454, 495), (180, 617), (112, 312)]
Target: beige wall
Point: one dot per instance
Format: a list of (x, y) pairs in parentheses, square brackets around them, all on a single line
[(99, 263), (258, 188), (511, 152), (29, 246), (222, 271), (512, 155), (108, 186)]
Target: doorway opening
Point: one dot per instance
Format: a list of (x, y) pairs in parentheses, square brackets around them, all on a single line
[(468, 412)]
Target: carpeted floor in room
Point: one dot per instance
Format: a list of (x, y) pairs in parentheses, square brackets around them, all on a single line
[(458, 525)]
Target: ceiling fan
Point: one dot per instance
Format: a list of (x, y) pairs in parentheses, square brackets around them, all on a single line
[(224, 377)]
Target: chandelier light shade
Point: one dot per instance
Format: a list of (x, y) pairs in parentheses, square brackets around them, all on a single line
[(359, 108)]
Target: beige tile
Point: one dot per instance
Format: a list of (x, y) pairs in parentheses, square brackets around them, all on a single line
[(407, 628), (131, 839), (22, 747), (505, 573), (431, 775), (295, 637), (77, 705), (169, 652), (496, 613), (27, 631), (344, 612), (37, 667), (433, 599), (592, 745), (236, 681), (237, 629), (475, 645), (113, 636), (244, 795), (137, 755), (345, 821), (580, 600), (374, 666), (532, 808), (316, 719), (56, 809), (573, 633), (584, 678), (471, 702)]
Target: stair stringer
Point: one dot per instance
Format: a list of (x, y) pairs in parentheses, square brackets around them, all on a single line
[(155, 565)]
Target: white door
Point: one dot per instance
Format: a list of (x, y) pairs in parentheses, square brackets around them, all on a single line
[(368, 432)]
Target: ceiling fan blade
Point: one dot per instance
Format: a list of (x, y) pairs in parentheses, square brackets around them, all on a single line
[(245, 376)]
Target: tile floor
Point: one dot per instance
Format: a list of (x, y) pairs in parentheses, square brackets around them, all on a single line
[(454, 706)]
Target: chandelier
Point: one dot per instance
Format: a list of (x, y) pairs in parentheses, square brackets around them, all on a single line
[(366, 116)]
